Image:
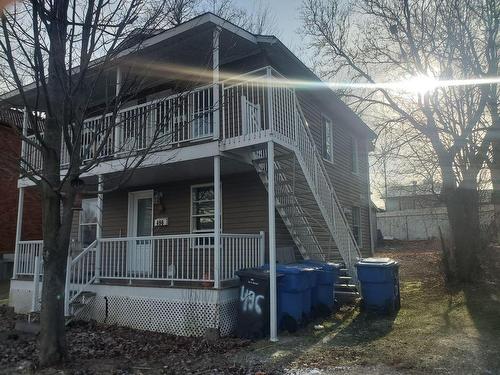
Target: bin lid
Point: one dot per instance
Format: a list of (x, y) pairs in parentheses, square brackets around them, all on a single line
[(305, 267), (284, 269), (377, 262), (257, 273), (327, 266)]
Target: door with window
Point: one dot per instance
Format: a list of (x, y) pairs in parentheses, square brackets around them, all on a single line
[(140, 224)]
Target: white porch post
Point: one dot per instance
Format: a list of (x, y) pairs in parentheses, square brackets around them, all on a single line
[(19, 225), (100, 203), (117, 129), (269, 76), (272, 242), (216, 79), (217, 224), (20, 202)]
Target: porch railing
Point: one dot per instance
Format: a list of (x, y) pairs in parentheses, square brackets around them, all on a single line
[(178, 258), (185, 257), (27, 252)]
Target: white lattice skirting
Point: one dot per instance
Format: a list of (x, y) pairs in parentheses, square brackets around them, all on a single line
[(185, 312)]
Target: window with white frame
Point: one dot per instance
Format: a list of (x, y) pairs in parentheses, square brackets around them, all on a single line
[(354, 155), (356, 224), (327, 139), (202, 208), (88, 221)]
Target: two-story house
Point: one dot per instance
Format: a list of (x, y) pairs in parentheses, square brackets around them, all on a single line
[(271, 165)]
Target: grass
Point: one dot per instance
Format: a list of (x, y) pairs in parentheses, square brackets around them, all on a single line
[(437, 330)]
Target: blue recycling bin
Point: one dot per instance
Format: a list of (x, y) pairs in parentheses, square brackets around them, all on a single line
[(324, 293), (291, 288), (379, 279), (309, 294)]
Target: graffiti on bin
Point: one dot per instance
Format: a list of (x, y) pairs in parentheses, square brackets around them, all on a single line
[(250, 300)]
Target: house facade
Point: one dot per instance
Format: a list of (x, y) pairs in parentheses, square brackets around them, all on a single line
[(262, 163)]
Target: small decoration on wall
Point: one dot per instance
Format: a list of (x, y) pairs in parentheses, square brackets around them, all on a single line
[(161, 222)]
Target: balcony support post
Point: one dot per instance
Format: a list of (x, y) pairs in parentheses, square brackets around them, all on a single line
[(25, 132), (216, 82), (19, 225), (100, 203), (117, 129), (272, 242), (217, 222)]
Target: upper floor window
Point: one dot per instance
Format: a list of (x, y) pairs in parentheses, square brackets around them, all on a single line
[(354, 155), (356, 224), (88, 221), (327, 139)]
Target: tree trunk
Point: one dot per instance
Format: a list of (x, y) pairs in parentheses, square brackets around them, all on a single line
[(52, 320), (495, 166), (463, 214)]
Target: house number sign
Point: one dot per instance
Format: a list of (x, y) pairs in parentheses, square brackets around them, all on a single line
[(161, 222)]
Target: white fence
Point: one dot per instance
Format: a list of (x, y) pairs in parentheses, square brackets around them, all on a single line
[(422, 224)]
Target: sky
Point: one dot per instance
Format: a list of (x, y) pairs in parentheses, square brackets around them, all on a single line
[(287, 16)]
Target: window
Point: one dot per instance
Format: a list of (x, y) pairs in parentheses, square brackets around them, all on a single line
[(354, 155), (202, 208), (88, 221), (327, 139), (356, 224)]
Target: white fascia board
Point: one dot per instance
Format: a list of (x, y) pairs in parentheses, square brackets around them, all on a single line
[(175, 155)]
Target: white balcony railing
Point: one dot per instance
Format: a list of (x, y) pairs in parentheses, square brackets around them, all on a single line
[(154, 125), (174, 258)]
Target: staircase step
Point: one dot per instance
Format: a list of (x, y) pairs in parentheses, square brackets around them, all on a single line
[(76, 305), (345, 279), (88, 294), (345, 286), (346, 297)]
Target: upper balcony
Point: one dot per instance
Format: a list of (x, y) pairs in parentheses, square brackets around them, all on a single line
[(238, 112)]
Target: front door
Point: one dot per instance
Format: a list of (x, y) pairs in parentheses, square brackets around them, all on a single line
[(139, 254)]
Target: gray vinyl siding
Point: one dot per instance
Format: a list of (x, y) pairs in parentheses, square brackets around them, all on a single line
[(351, 188), (244, 209)]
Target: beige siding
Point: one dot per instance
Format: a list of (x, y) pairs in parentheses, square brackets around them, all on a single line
[(244, 209), (351, 188)]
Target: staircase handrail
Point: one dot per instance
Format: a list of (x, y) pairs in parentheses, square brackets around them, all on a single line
[(327, 177), (72, 293)]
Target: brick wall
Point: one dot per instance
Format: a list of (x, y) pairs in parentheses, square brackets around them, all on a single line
[(10, 146)]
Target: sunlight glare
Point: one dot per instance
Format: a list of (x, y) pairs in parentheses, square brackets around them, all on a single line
[(421, 84)]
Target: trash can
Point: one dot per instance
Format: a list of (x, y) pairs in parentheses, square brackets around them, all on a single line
[(253, 306), (309, 294), (379, 279), (325, 289), (291, 288)]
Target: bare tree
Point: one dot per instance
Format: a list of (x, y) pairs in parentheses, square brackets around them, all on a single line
[(65, 49), (420, 43)]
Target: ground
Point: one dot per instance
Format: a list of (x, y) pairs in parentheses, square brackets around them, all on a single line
[(439, 330)]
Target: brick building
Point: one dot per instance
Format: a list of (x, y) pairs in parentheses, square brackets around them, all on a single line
[(10, 148)]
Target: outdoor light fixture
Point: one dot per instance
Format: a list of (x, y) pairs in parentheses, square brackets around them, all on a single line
[(78, 184)]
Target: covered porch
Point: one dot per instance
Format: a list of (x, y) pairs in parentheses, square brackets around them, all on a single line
[(169, 226)]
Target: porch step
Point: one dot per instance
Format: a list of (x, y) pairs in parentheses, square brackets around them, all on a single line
[(346, 297)]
